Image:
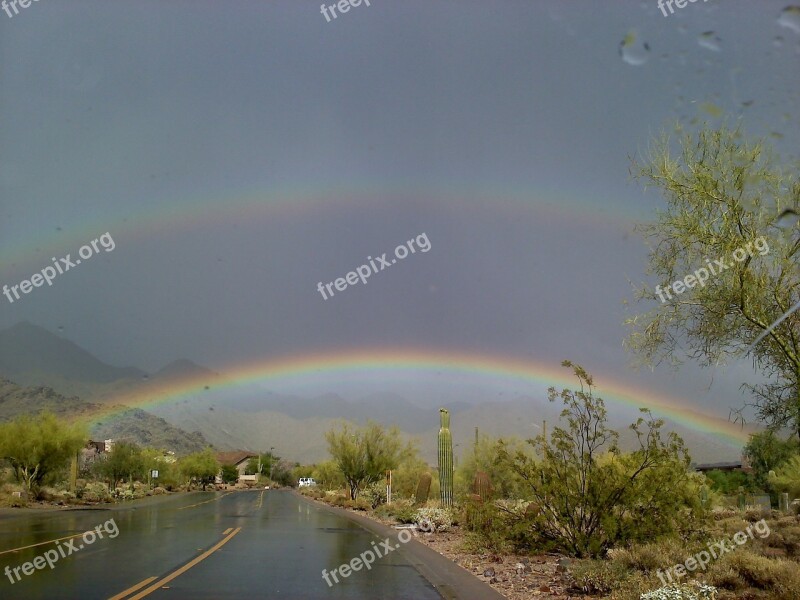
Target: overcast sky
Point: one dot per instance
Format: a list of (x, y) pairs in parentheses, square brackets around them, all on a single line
[(241, 152)]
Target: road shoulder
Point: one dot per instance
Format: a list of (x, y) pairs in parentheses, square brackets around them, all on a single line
[(452, 581)]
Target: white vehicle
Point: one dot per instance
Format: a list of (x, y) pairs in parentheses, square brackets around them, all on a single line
[(306, 482)]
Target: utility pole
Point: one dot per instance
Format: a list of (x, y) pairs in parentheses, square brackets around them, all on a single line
[(271, 462)]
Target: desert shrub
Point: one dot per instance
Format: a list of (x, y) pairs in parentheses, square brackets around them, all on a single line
[(312, 492), (683, 591), (358, 504), (337, 500), (433, 519), (94, 492), (651, 556), (374, 495), (159, 491), (403, 511), (599, 576), (742, 569), (582, 471), (787, 538), (46, 494), (757, 571)]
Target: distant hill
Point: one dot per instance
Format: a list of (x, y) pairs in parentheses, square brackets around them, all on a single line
[(385, 407), (148, 430), (130, 424), (29, 353), (182, 368), (252, 418)]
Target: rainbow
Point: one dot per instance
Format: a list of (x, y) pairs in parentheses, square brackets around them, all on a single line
[(407, 364), (22, 249)]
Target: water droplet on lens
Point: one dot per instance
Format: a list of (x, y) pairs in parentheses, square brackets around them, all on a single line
[(711, 109), (633, 50), (787, 219), (790, 18), (709, 40)]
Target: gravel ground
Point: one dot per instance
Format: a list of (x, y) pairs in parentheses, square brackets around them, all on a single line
[(514, 576)]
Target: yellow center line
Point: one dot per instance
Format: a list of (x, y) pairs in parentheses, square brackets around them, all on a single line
[(130, 590), (184, 568), (206, 501), (69, 537), (227, 531)]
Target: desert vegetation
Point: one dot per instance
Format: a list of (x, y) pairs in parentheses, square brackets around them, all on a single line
[(43, 461), (614, 521)]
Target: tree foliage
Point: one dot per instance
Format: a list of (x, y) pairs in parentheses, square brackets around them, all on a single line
[(230, 474), (787, 477), (37, 446), (124, 461), (587, 494), (723, 193), (200, 466), (364, 454), (328, 475), (766, 452), (483, 456)]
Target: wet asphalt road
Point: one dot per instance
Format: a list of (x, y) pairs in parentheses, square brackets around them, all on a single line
[(253, 544)]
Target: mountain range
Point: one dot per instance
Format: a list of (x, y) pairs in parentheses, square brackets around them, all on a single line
[(251, 418)]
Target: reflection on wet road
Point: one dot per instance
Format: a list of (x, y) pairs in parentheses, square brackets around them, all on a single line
[(254, 544)]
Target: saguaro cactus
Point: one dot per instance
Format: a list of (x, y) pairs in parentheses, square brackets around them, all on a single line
[(445, 458), (482, 486), (423, 488)]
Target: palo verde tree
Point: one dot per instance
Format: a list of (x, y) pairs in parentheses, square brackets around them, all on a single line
[(124, 460), (364, 454), (766, 451), (725, 252), (200, 466), (38, 446), (587, 494)]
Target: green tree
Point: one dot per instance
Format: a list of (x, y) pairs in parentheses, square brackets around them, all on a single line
[(263, 461), (200, 466), (728, 482), (364, 454), (124, 460), (156, 460), (230, 474), (588, 494), (787, 477), (766, 452), (405, 477), (483, 456), (328, 475), (38, 446), (725, 198)]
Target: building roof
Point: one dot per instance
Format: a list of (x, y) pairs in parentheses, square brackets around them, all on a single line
[(235, 457), (720, 466)]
